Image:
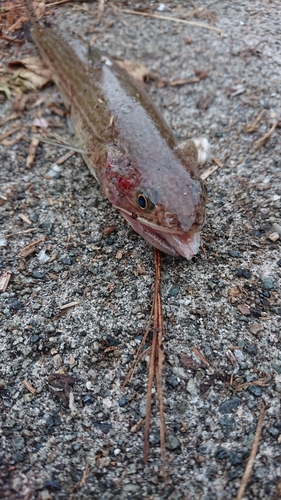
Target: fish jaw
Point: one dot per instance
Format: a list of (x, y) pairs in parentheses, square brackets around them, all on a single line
[(184, 245)]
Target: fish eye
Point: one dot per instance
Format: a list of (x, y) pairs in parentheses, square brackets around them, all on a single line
[(144, 203)]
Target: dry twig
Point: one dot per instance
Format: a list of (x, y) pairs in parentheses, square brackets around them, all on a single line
[(32, 152), (209, 172), (29, 387), (29, 248), (200, 356), (156, 367), (265, 138), (253, 127), (250, 463), (4, 281), (169, 18)]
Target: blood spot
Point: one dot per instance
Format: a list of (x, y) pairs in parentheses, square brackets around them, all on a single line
[(124, 183)]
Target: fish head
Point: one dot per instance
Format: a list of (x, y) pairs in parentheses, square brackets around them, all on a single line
[(164, 201)]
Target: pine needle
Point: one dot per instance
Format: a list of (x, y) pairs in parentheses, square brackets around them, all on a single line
[(250, 463)]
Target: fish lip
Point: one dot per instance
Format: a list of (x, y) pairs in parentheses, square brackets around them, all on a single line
[(175, 244), (147, 223)]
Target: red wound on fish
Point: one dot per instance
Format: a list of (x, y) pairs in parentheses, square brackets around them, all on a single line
[(124, 183)]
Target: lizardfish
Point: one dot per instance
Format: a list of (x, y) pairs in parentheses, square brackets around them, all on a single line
[(148, 178)]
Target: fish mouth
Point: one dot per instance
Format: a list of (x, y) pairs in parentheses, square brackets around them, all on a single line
[(184, 245)]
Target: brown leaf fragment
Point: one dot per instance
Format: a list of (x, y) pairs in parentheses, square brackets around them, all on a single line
[(61, 385), (34, 143), (25, 219), (138, 425), (244, 309), (205, 386), (13, 116), (108, 230), (4, 281), (200, 356), (189, 363), (263, 187), (53, 276), (29, 248), (205, 101), (201, 74), (256, 328), (9, 132), (70, 304), (60, 380), (262, 382), (218, 162), (20, 101), (200, 312), (137, 70), (209, 172), (29, 387), (18, 24), (119, 254), (39, 8), (234, 291), (13, 141), (56, 109), (31, 69), (139, 270)]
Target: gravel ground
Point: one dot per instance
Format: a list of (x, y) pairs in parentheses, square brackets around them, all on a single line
[(226, 301)]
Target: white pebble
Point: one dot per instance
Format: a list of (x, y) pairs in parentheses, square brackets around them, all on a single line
[(43, 257), (3, 242)]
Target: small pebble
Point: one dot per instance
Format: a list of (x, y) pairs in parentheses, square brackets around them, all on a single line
[(235, 458), (276, 228), (274, 237), (122, 401), (3, 242), (172, 442), (191, 387), (255, 390), (221, 453), (103, 426), (16, 305), (173, 291), (38, 275), (230, 404), (57, 360), (234, 253), (267, 282), (66, 261)]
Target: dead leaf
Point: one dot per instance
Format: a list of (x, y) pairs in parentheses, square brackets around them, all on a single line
[(244, 309), (108, 230), (32, 70), (4, 281), (256, 328), (234, 292), (137, 70), (189, 363)]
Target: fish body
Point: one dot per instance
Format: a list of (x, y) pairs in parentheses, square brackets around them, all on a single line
[(128, 146)]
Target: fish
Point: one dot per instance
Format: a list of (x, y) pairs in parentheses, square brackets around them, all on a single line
[(152, 181)]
